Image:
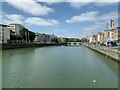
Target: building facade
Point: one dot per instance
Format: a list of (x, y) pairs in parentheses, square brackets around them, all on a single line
[(15, 27), (4, 33), (99, 39), (102, 38), (39, 38), (44, 38), (91, 39), (106, 36)]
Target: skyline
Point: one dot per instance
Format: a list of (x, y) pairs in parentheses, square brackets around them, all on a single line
[(64, 19)]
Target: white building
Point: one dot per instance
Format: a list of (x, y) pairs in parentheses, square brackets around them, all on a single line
[(111, 35), (4, 33), (91, 39), (15, 27), (98, 38), (102, 38)]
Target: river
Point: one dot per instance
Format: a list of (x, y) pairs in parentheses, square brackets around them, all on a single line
[(58, 67)]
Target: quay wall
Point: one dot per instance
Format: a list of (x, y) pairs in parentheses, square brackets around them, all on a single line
[(15, 46), (114, 54)]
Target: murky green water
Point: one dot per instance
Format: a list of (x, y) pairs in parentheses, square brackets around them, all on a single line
[(56, 67)]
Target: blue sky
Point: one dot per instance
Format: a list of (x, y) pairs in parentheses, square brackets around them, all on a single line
[(64, 19)]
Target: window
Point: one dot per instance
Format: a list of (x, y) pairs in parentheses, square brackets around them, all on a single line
[(2, 29)]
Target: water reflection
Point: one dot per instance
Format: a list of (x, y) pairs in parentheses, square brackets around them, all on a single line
[(56, 67), (0, 69)]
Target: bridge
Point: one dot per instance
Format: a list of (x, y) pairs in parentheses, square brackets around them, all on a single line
[(74, 43)]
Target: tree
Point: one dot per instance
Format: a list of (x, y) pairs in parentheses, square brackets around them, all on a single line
[(84, 40), (31, 36), (18, 37), (23, 32), (12, 35), (55, 40)]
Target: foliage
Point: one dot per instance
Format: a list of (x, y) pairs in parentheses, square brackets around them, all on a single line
[(13, 36), (84, 40), (27, 35), (31, 36), (23, 33), (71, 40)]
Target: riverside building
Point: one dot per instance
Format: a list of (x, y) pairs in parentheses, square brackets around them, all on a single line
[(4, 33), (44, 38), (15, 27), (106, 36)]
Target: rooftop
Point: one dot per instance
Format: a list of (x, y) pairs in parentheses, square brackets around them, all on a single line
[(3, 25)]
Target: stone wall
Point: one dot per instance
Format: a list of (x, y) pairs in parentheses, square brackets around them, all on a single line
[(115, 54), (15, 46)]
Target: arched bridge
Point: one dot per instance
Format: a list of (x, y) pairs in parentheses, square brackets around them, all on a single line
[(74, 43)]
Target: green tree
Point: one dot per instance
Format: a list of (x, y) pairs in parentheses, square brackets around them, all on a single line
[(84, 40), (23, 33), (12, 35), (55, 40), (31, 36)]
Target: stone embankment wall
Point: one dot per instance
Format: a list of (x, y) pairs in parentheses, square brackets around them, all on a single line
[(108, 52), (15, 46)]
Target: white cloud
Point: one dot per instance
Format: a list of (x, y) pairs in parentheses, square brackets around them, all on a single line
[(31, 7), (101, 23), (108, 16), (77, 0), (41, 21), (11, 18), (78, 4), (0, 15), (102, 4), (17, 18), (50, 1), (93, 29), (99, 3), (14, 18), (95, 26), (59, 30), (84, 17), (92, 16)]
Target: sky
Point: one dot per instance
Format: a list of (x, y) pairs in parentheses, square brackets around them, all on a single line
[(63, 19)]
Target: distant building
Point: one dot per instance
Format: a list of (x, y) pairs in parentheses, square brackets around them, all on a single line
[(111, 34), (118, 28), (99, 39), (106, 36), (96, 38), (117, 35), (44, 38), (51, 38), (91, 39), (4, 33), (15, 27), (102, 38), (39, 38)]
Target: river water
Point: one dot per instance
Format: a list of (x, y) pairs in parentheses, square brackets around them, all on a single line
[(58, 67)]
